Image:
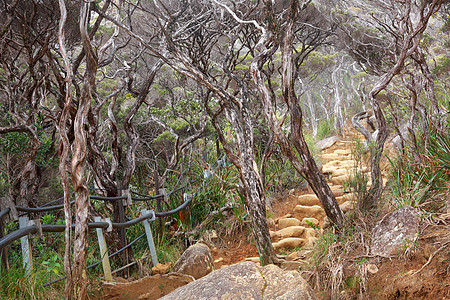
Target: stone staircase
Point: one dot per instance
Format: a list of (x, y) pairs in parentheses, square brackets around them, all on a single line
[(300, 228)]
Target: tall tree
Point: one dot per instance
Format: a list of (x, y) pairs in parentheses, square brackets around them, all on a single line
[(383, 42)]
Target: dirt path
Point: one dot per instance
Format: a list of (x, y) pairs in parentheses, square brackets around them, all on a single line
[(299, 217)]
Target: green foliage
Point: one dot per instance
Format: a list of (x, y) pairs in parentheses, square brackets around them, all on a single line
[(47, 266), (412, 182), (321, 248), (442, 65), (165, 136), (280, 174), (14, 143), (323, 129), (357, 181)]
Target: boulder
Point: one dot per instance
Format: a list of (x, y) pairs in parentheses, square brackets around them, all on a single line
[(196, 261), (246, 280), (287, 222), (394, 230), (326, 143)]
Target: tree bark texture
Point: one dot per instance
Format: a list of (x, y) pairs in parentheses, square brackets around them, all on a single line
[(81, 190), (64, 151), (307, 166), (411, 39)]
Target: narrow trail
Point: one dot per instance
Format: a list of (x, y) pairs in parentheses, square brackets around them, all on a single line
[(299, 218)]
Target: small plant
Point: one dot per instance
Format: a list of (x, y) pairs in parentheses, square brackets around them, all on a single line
[(52, 264)]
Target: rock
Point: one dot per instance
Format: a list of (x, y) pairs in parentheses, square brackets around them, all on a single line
[(347, 206), (326, 223), (161, 268), (220, 259), (340, 200), (246, 280), (310, 242), (396, 228), (287, 222), (342, 152), (271, 223), (350, 197), (327, 157), (314, 211), (293, 231), (273, 235), (339, 179), (253, 259), (308, 221), (288, 243), (292, 256), (210, 235), (326, 143), (310, 232), (195, 261), (308, 200), (310, 236), (339, 172), (152, 287), (337, 192), (373, 269), (292, 265)]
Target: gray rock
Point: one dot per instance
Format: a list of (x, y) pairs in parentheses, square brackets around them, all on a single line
[(246, 280), (196, 261), (326, 143), (396, 228)]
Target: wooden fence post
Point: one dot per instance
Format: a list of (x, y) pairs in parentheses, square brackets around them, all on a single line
[(4, 253)]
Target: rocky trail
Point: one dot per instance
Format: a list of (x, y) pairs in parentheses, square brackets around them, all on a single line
[(296, 220), (299, 217)]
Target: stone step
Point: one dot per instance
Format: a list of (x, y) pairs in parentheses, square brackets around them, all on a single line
[(307, 222), (293, 231), (339, 163), (288, 243), (314, 211), (308, 200), (287, 222), (339, 180), (342, 152), (327, 157)]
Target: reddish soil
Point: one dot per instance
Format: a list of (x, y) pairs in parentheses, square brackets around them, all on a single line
[(234, 253), (396, 279), (147, 288)]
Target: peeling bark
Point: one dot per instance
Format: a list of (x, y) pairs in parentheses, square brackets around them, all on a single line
[(307, 166)]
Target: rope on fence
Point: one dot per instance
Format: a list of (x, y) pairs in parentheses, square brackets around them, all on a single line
[(98, 262), (17, 234), (10, 238)]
